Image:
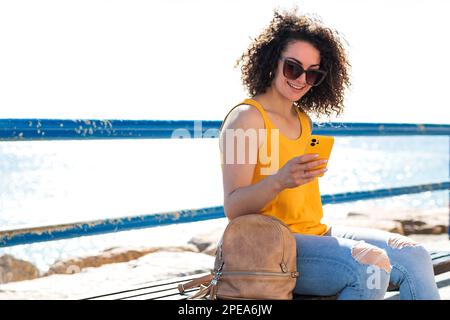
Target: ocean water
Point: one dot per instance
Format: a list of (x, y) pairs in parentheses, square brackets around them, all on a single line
[(50, 182)]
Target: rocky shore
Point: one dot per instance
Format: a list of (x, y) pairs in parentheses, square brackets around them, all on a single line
[(122, 268)]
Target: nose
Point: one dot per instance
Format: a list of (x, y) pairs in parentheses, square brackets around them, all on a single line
[(302, 78)]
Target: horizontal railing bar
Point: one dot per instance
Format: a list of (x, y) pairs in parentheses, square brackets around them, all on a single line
[(382, 193), (88, 228), (88, 129), (73, 230)]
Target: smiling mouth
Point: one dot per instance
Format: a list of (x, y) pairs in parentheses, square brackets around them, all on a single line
[(294, 86)]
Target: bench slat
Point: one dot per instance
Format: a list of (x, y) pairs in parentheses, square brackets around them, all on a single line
[(152, 287), (171, 294), (168, 289), (441, 262), (161, 290)]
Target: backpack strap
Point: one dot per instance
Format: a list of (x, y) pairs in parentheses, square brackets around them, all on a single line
[(198, 282), (204, 284)]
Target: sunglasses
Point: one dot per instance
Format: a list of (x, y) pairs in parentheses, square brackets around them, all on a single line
[(292, 70)]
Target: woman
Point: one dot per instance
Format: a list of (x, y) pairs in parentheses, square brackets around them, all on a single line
[(298, 66)]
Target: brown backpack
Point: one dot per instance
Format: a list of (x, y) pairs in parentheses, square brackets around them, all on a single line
[(255, 259)]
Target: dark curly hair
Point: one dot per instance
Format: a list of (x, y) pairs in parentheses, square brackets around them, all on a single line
[(259, 62)]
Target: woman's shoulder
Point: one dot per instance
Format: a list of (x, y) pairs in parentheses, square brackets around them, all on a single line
[(244, 116)]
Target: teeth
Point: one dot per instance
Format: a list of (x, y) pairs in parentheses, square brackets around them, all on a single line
[(294, 86)]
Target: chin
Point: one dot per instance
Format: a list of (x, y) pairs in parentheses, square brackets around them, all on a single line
[(294, 97), (288, 93)]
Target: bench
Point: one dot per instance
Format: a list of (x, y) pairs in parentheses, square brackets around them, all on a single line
[(168, 289)]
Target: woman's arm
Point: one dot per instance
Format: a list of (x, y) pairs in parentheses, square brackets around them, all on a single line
[(240, 196)]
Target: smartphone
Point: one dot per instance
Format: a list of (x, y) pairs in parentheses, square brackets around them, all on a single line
[(321, 145)]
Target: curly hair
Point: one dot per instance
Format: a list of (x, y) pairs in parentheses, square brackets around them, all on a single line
[(259, 61)]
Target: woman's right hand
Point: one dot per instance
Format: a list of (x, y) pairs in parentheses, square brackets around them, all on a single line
[(297, 171)]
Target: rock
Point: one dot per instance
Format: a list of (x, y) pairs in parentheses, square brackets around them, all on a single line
[(211, 249), (207, 242), (110, 278), (13, 269), (404, 221), (112, 255), (400, 220)]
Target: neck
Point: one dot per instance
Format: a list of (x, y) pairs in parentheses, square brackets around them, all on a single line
[(274, 102)]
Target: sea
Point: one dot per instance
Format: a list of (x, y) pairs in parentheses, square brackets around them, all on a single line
[(53, 182)]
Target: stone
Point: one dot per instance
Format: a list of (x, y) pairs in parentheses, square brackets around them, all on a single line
[(207, 242), (110, 278), (13, 269), (112, 255), (401, 220)]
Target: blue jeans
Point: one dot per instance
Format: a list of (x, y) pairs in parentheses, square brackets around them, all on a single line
[(359, 263)]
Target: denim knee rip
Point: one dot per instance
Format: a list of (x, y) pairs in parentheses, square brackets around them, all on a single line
[(365, 253), (398, 241)]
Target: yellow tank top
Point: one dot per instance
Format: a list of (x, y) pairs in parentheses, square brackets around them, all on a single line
[(301, 207)]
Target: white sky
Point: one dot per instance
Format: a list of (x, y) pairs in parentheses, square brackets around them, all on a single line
[(111, 59)]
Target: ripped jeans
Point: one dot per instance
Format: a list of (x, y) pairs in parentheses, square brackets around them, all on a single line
[(359, 263)]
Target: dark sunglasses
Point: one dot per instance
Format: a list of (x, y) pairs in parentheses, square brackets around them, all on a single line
[(292, 70)]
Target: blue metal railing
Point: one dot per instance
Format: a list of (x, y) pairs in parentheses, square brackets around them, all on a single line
[(50, 129), (78, 229)]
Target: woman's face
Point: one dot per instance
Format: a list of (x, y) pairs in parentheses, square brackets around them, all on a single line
[(308, 57)]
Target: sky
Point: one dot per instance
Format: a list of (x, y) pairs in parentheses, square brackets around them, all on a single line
[(173, 59)]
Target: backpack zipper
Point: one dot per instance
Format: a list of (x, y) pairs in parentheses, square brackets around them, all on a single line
[(283, 265), (260, 273)]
